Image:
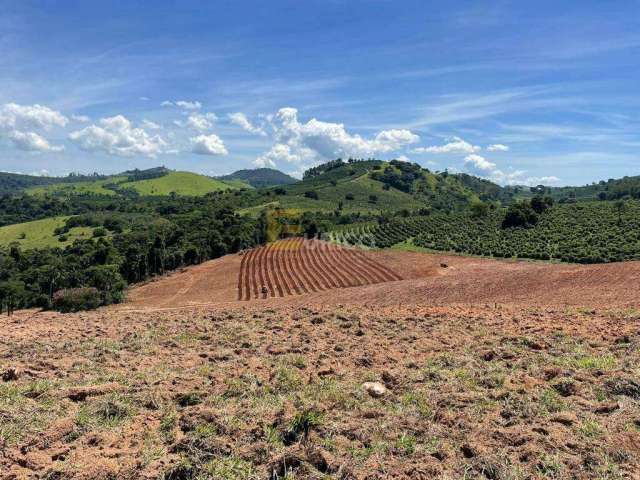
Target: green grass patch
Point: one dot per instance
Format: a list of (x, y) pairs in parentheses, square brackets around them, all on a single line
[(40, 233)]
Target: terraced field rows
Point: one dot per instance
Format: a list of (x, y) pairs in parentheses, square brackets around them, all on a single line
[(295, 266)]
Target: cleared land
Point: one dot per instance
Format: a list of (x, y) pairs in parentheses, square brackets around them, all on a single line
[(40, 233), (296, 266), (492, 369)]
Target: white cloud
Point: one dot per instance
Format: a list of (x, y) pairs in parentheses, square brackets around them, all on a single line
[(14, 116), (117, 136), (317, 140), (478, 165), (183, 104), (403, 158), (455, 145), (208, 145), (243, 122), (32, 142), (201, 122), (80, 118), (283, 153), (144, 99), (498, 147), (17, 123)]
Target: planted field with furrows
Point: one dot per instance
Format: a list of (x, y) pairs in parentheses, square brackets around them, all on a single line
[(295, 266), (590, 232)]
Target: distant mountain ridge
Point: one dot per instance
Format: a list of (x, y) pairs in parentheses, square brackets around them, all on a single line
[(261, 177)]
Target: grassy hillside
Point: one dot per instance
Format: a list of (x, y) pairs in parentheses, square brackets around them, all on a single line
[(15, 182), (182, 183), (95, 187), (261, 177), (40, 233)]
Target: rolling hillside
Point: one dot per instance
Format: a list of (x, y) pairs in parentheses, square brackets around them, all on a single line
[(261, 177), (15, 182), (369, 186), (162, 182), (41, 233)]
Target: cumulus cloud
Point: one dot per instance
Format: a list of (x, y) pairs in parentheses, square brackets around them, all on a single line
[(183, 104), (403, 158), (478, 162), (32, 142), (455, 145), (14, 116), (316, 140), (17, 123), (208, 145), (284, 153), (200, 122), (243, 122), (478, 165), (117, 136), (498, 147)]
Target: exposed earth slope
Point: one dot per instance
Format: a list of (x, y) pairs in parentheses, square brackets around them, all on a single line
[(485, 369)]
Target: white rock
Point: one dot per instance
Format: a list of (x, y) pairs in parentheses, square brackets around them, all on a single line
[(375, 389)]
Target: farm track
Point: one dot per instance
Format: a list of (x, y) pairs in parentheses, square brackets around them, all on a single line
[(295, 266)]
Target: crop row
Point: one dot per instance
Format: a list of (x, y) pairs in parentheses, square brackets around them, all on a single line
[(592, 232)]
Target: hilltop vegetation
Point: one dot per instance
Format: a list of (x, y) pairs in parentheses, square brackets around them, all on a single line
[(11, 183), (369, 186), (261, 177)]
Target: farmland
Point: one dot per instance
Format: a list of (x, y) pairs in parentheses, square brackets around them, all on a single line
[(507, 361), (589, 232), (296, 266)]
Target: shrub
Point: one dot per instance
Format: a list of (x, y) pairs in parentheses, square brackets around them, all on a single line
[(100, 232), (311, 194), (76, 299), (349, 196), (520, 215)]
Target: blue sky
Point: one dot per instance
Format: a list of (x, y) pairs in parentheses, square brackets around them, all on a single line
[(518, 92)]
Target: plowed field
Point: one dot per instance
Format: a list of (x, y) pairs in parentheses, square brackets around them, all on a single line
[(295, 266)]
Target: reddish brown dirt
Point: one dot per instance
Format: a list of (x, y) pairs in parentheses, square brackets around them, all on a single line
[(492, 369), (276, 270), (293, 271)]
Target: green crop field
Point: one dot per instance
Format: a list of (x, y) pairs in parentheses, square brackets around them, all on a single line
[(40, 233), (589, 232)]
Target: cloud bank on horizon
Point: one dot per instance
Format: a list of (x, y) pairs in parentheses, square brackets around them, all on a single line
[(496, 92)]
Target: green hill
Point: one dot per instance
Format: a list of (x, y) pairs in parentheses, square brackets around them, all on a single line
[(154, 182), (370, 186), (15, 182), (261, 177), (180, 183)]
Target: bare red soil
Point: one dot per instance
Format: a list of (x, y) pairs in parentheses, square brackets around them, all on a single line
[(295, 266), (489, 369), (293, 271)]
